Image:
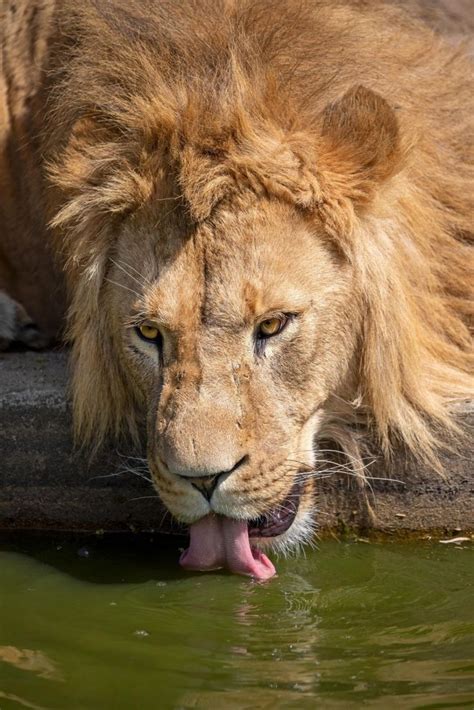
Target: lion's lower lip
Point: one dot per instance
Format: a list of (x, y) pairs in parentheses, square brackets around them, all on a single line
[(279, 519)]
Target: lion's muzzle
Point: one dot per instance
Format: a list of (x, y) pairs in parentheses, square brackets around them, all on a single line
[(207, 484)]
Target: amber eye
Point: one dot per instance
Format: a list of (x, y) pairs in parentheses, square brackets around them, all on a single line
[(148, 332), (271, 326)]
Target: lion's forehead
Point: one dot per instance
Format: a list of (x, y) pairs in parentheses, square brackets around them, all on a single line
[(236, 271)]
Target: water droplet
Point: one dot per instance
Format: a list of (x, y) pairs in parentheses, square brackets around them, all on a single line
[(141, 632)]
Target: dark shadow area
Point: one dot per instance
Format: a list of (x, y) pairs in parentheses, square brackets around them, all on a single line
[(102, 559)]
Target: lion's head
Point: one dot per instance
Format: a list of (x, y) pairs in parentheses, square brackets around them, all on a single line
[(234, 332), (242, 272)]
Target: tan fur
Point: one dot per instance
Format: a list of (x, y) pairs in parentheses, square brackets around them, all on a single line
[(215, 163)]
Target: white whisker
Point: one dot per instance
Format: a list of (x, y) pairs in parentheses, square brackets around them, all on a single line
[(125, 288), (140, 283), (122, 472)]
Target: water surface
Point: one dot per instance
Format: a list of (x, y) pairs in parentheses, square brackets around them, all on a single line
[(98, 624)]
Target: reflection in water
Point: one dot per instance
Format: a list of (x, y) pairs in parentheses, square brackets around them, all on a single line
[(349, 625), (29, 660), (285, 656), (16, 700)]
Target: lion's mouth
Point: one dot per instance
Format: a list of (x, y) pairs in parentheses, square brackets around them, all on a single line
[(280, 518), (218, 541)]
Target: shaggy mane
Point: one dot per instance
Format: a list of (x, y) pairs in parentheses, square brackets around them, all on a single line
[(155, 103)]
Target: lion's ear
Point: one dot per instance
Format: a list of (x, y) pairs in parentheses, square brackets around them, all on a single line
[(360, 144)]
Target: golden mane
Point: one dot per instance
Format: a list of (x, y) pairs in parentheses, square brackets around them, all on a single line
[(201, 108)]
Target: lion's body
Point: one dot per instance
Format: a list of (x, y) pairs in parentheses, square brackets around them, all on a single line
[(27, 270), (138, 111)]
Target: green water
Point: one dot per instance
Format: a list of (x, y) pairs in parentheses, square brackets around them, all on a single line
[(350, 625)]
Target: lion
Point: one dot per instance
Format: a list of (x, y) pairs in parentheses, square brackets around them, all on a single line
[(258, 215)]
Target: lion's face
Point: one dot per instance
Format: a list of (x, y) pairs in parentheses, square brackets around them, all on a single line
[(231, 306), (235, 333)]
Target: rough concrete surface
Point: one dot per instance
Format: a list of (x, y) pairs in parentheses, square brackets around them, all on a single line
[(46, 485)]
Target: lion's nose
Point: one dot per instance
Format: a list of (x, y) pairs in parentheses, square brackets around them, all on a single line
[(207, 484)]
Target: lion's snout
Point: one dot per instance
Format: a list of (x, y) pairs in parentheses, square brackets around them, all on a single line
[(206, 443), (208, 484)]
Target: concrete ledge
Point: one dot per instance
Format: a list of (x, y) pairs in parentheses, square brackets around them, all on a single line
[(44, 485)]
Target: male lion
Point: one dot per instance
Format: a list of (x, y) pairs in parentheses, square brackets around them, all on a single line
[(263, 210)]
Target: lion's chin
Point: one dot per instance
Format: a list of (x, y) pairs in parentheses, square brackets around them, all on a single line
[(218, 541)]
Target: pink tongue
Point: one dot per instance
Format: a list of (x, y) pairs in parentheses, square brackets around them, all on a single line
[(218, 542)]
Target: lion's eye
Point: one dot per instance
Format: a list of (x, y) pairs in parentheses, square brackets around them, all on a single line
[(148, 332), (271, 326)]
